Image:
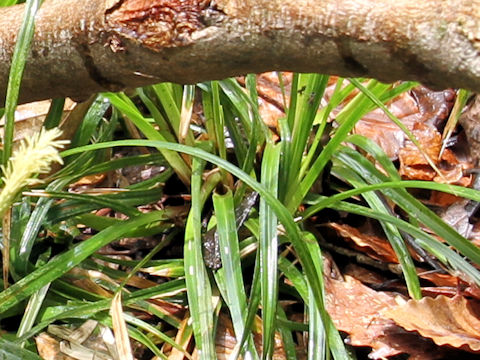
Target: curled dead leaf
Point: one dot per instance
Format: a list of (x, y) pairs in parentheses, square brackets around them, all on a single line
[(447, 321)]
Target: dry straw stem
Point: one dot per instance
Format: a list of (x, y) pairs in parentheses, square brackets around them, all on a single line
[(34, 156), (85, 46)]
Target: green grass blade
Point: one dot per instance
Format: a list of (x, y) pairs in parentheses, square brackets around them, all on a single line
[(216, 119), (340, 93), (143, 339), (253, 303), (152, 331), (11, 351), (114, 164), (54, 116), (317, 336), (335, 343), (97, 201), (86, 310), (166, 94), (78, 205), (163, 126), (19, 59), (347, 118), (229, 274), (185, 134), (90, 122), (327, 333), (291, 111), (283, 214), (198, 284), (287, 337), (294, 275), (347, 123), (240, 101), (31, 311), (4, 3), (35, 303), (256, 136), (268, 247), (236, 133), (325, 202)]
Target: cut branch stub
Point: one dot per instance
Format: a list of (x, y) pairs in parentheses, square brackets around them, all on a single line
[(158, 24)]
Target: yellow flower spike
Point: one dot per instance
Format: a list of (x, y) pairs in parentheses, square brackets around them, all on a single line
[(34, 156)]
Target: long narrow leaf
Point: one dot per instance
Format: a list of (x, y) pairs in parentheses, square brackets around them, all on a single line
[(19, 59), (268, 247), (230, 275), (196, 277)]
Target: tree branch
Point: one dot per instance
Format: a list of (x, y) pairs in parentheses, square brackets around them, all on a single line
[(85, 46)]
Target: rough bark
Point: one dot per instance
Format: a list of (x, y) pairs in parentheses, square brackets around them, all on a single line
[(86, 46)]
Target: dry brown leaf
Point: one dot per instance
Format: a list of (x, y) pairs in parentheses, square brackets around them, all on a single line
[(49, 348), (364, 275), (420, 105), (357, 310), (438, 279), (421, 111), (183, 338), (270, 98), (453, 170), (442, 200), (431, 141), (376, 247), (29, 117), (475, 234), (379, 128), (470, 291), (458, 216), (269, 113), (414, 166), (122, 340), (447, 321), (89, 180)]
